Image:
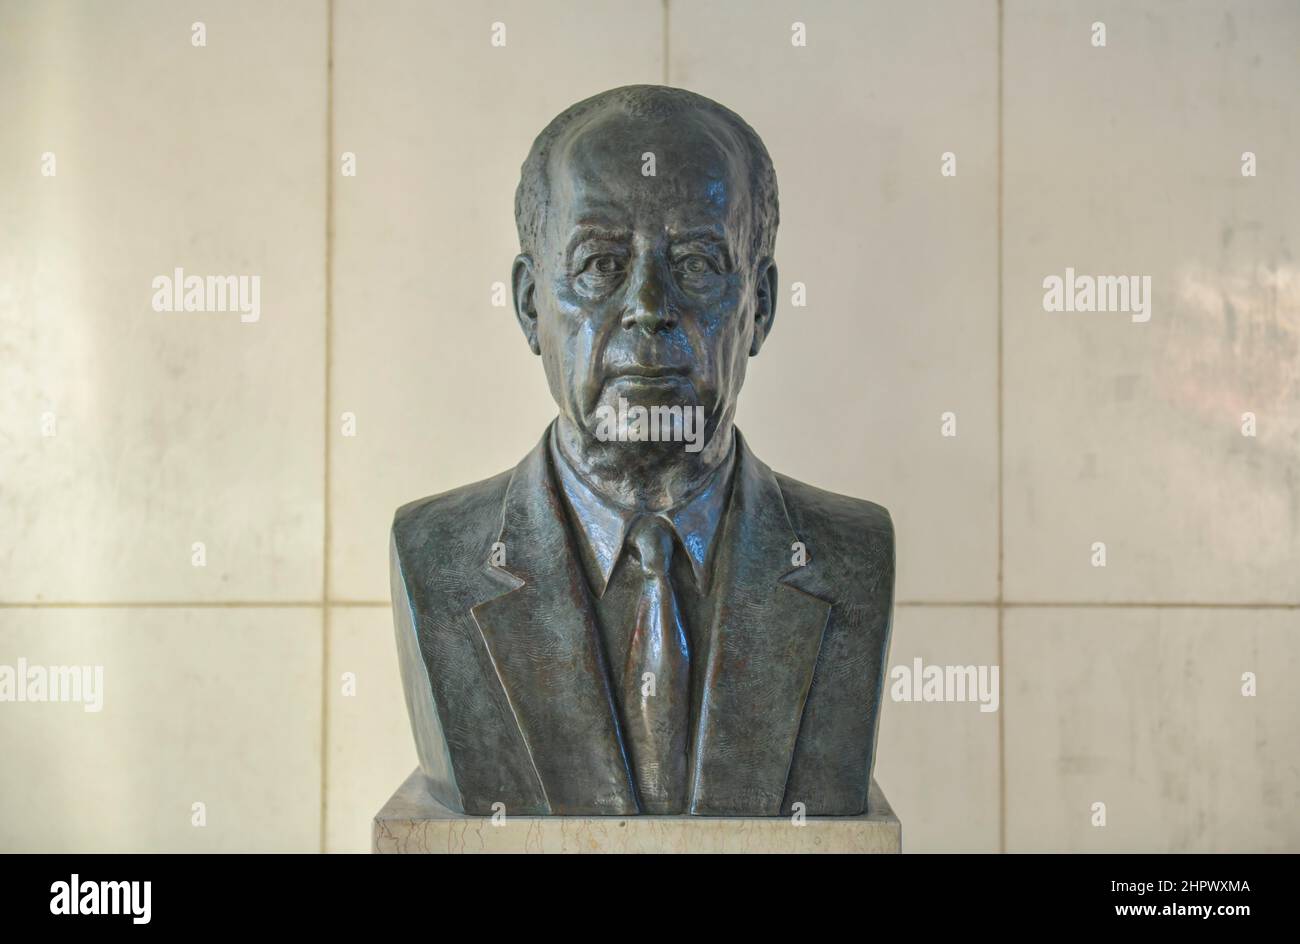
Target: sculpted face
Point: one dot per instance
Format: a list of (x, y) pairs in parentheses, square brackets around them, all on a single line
[(644, 287)]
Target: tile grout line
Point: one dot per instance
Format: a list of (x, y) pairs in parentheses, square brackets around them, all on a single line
[(160, 605), (328, 352), (664, 49), (950, 604), (1001, 602)]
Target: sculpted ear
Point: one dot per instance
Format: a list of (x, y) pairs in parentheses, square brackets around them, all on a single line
[(523, 286), (765, 303)]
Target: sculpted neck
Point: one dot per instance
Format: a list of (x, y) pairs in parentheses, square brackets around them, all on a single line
[(644, 476)]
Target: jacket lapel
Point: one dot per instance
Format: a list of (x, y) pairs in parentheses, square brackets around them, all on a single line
[(544, 643), (760, 655)]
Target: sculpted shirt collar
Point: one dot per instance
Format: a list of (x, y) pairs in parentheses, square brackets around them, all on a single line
[(602, 526)]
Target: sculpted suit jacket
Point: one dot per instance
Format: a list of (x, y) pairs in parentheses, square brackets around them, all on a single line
[(505, 675)]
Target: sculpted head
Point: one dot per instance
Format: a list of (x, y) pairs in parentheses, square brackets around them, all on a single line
[(647, 218)]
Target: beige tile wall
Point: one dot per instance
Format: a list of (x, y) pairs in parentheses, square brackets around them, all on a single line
[(170, 428), (219, 706), (938, 761), (1130, 434), (369, 747), (924, 296), (1145, 711)]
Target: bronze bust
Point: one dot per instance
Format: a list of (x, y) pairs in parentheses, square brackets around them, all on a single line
[(641, 616)]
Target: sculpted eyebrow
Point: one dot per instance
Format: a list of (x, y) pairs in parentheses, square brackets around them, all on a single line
[(608, 233), (700, 234), (593, 232)]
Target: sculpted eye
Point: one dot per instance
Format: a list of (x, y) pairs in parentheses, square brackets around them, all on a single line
[(695, 264), (604, 264)]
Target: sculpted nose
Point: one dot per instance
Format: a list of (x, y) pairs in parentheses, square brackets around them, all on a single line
[(647, 304)]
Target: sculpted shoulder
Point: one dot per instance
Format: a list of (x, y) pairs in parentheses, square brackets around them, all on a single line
[(443, 535), (850, 539)]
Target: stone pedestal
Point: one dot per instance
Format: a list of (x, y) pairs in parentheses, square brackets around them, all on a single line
[(412, 821)]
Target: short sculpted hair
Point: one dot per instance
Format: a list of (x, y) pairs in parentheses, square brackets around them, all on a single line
[(650, 102)]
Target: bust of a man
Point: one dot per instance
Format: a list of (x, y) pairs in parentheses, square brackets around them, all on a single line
[(641, 616)]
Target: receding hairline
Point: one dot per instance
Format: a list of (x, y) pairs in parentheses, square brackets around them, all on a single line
[(708, 125), (652, 104), (716, 120)]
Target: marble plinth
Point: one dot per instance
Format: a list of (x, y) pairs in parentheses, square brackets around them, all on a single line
[(412, 821)]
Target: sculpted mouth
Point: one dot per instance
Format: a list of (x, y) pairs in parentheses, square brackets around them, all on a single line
[(648, 372)]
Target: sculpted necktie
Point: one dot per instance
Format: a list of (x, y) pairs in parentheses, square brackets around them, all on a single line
[(656, 677)]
